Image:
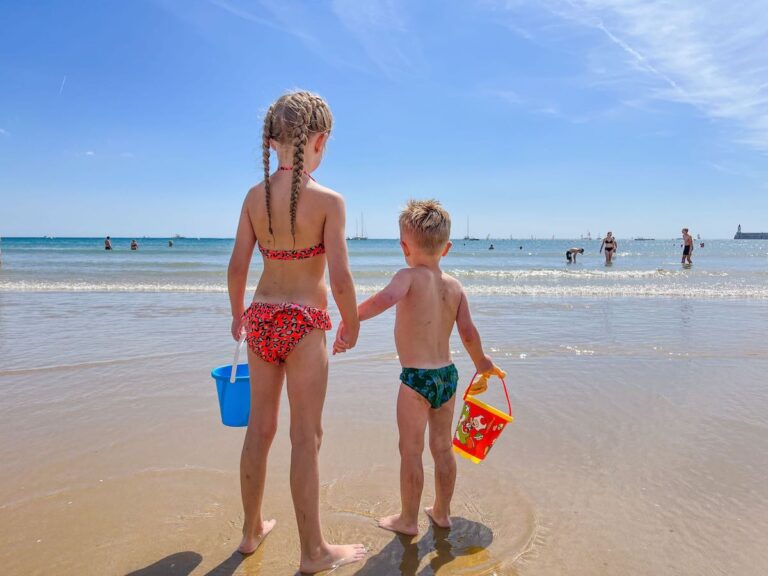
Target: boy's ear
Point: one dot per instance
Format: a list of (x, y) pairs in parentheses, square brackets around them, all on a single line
[(406, 249), (447, 248)]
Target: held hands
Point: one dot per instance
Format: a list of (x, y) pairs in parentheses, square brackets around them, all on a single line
[(345, 339)]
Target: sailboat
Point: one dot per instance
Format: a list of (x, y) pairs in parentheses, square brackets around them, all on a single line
[(468, 237), (360, 234)]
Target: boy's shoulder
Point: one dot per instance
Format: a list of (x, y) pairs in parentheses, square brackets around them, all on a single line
[(416, 273)]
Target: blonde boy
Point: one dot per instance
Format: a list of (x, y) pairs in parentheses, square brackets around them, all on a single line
[(429, 303)]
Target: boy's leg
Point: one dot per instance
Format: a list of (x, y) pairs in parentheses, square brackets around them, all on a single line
[(440, 444), (412, 412)]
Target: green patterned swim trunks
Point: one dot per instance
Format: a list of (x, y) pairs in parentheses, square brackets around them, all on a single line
[(437, 385)]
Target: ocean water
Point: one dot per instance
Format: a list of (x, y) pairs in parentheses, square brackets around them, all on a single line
[(723, 268), (640, 441)]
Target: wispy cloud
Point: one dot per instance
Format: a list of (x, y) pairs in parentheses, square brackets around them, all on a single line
[(709, 55), (235, 10), (290, 17), (63, 82), (90, 153), (381, 27), (4, 132)]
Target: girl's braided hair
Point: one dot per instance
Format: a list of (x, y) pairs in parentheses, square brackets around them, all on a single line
[(293, 118)]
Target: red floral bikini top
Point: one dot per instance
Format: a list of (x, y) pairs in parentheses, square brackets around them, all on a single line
[(292, 254), (300, 254)]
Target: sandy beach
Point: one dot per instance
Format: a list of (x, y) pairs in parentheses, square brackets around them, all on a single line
[(638, 445)]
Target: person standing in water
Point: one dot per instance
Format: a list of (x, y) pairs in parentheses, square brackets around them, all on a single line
[(107, 243), (134, 245), (298, 226), (610, 246), (687, 247)]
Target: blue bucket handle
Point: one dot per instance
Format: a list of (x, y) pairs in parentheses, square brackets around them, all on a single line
[(238, 348)]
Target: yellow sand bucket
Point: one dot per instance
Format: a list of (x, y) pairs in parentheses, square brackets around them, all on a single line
[(479, 425)]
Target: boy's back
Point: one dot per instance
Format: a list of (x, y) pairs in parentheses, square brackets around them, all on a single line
[(425, 318), (429, 303)]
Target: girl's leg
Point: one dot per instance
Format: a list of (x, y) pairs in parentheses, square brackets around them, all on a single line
[(266, 384), (307, 372)]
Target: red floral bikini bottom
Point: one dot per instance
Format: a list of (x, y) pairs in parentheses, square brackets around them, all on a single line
[(274, 330)]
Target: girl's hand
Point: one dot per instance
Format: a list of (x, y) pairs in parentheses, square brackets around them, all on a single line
[(238, 327), (344, 339)]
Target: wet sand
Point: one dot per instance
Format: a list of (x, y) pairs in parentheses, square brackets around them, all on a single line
[(639, 445)]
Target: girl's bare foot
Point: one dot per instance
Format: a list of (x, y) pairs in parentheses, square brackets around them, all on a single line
[(333, 556), (396, 524), (251, 542), (440, 520)]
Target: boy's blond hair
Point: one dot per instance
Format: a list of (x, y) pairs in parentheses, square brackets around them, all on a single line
[(428, 223)]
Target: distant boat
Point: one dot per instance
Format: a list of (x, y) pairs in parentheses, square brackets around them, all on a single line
[(587, 237), (360, 234), (468, 237), (750, 235), (178, 236), (641, 239)]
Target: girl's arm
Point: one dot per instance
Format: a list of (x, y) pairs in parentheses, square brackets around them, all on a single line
[(470, 337), (237, 272), (342, 285)]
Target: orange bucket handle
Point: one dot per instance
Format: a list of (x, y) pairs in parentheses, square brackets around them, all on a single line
[(506, 392)]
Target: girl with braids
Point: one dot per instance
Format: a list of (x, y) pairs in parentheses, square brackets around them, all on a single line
[(298, 226)]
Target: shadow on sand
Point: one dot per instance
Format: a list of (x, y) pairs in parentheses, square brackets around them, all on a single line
[(183, 563), (403, 554)]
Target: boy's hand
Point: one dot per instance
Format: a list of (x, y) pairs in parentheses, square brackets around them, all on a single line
[(480, 384), (344, 339)]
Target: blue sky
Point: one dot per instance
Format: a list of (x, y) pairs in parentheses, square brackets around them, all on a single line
[(540, 117)]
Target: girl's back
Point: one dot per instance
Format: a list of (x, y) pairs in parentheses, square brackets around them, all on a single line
[(294, 267)]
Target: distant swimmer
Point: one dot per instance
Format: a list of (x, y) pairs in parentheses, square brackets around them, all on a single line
[(610, 245), (134, 245), (107, 243), (521, 247), (687, 247), (570, 254), (491, 247), (170, 243)]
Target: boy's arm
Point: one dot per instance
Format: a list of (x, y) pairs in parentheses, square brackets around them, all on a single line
[(386, 298), (470, 337)]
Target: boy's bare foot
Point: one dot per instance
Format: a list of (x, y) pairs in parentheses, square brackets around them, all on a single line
[(397, 524), (333, 557), (251, 542), (440, 520)]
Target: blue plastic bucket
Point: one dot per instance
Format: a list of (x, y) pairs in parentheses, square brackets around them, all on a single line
[(234, 393)]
